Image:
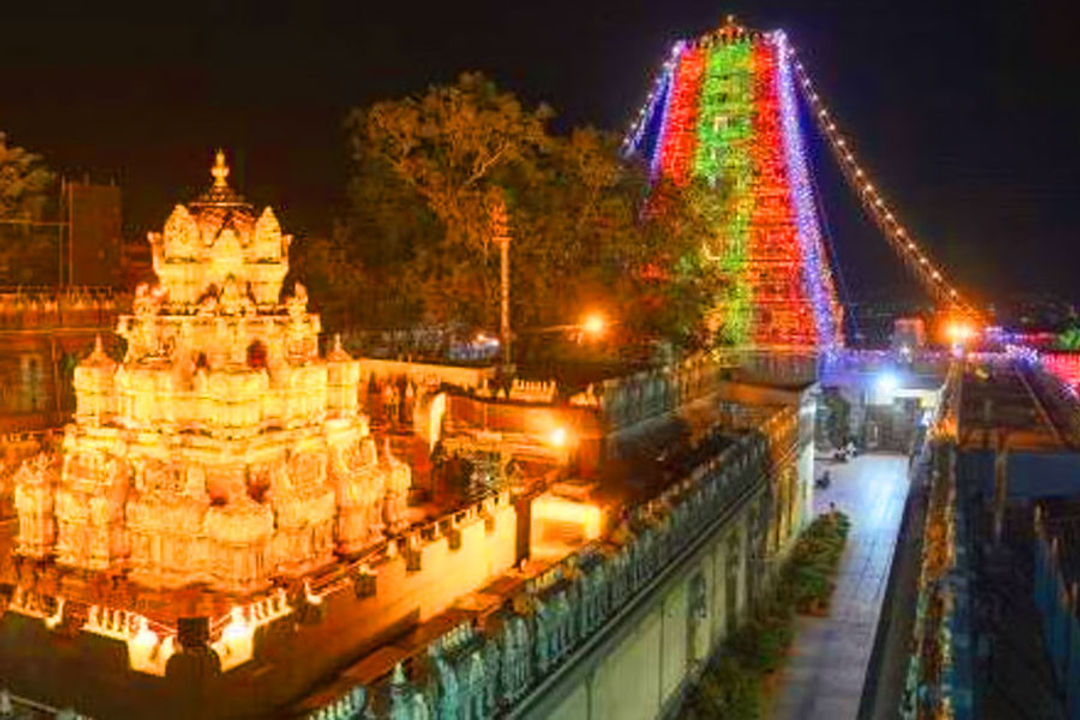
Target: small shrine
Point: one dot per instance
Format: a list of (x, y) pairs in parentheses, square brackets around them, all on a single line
[(223, 449)]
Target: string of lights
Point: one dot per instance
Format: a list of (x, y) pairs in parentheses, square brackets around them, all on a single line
[(658, 97), (723, 111), (723, 120), (725, 102), (910, 251), (818, 276), (777, 242), (677, 148)]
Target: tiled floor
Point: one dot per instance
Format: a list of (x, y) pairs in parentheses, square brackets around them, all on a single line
[(823, 678)]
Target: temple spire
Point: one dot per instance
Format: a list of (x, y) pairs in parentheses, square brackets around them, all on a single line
[(220, 171), (220, 192)]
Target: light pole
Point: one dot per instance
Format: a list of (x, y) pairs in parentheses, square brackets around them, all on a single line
[(500, 234)]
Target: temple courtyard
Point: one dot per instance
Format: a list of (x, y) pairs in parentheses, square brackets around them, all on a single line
[(827, 667)]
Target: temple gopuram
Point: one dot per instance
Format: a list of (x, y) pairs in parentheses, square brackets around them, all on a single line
[(238, 525)]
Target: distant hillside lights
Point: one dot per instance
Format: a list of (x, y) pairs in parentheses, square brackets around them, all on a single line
[(222, 449)]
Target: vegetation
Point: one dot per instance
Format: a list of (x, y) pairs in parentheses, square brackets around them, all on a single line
[(837, 417), (807, 577), (731, 686), (1068, 339), (413, 248), (27, 253)]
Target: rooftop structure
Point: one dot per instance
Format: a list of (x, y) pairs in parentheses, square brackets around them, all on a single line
[(1003, 404)]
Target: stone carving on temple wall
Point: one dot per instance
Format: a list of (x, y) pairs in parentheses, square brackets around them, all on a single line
[(35, 487), (234, 300), (223, 449), (268, 240), (183, 232), (359, 485), (89, 508), (396, 492), (167, 532), (305, 509)]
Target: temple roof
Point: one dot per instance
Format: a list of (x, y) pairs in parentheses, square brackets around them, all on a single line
[(221, 206), (218, 239), (220, 193)]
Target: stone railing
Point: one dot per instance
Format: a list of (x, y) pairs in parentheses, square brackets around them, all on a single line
[(484, 669), (628, 400), (534, 391), (424, 374)]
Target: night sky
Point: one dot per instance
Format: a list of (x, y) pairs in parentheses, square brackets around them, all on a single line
[(966, 115)]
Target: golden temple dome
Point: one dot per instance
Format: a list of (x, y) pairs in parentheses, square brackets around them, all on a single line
[(216, 240), (220, 192)]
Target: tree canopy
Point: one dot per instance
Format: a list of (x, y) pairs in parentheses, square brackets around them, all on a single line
[(26, 252), (588, 233)]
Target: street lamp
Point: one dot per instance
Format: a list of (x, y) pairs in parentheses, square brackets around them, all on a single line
[(594, 325), (960, 332), (500, 235)]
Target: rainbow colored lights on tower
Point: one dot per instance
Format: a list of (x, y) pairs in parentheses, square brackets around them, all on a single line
[(724, 111)]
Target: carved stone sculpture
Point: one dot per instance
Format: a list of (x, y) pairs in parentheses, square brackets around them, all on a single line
[(35, 487)]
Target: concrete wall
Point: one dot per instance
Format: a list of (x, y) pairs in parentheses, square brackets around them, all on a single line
[(42, 334), (290, 654), (639, 670)]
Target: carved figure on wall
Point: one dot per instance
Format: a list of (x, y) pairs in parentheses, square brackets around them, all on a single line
[(145, 302), (296, 304), (208, 304), (35, 486), (359, 485), (390, 403), (182, 232), (398, 482), (234, 301), (268, 240)]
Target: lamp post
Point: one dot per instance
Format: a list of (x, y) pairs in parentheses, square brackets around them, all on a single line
[(500, 234)]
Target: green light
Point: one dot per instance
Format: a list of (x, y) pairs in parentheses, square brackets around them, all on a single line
[(723, 155)]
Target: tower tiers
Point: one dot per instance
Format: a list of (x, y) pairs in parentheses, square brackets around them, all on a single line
[(223, 449), (723, 112)]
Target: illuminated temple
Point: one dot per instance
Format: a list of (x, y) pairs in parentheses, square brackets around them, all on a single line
[(223, 449), (723, 112), (238, 525)]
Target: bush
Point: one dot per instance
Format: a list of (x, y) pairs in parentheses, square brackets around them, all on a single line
[(727, 691), (774, 638), (814, 560), (731, 686), (812, 587)]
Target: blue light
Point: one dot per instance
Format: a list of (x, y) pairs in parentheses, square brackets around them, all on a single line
[(887, 381), (816, 275)]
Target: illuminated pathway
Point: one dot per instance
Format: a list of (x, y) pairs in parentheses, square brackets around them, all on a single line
[(824, 675)]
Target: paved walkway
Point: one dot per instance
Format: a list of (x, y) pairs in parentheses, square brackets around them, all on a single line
[(824, 675)]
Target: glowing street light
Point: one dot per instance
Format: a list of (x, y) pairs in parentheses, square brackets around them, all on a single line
[(960, 332), (887, 382), (594, 325), (558, 437)]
